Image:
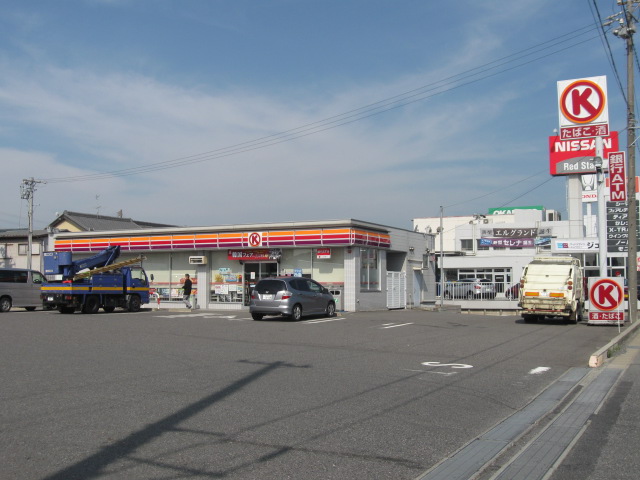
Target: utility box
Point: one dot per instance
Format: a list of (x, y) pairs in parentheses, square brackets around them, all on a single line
[(198, 260)]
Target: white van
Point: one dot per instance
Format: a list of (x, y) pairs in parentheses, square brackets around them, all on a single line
[(20, 287)]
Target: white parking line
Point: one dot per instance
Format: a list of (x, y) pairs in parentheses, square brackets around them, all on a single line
[(323, 320), (391, 325), (539, 370), (203, 315)]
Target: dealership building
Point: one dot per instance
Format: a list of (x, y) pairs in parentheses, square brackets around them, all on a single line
[(366, 266)]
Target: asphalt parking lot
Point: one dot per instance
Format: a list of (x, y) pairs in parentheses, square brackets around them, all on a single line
[(161, 394)]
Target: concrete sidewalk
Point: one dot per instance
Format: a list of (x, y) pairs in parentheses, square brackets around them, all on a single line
[(581, 427), (608, 447)]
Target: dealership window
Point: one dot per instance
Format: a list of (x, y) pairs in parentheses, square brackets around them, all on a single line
[(369, 269)]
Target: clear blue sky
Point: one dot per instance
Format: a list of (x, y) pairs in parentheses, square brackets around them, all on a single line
[(467, 94)]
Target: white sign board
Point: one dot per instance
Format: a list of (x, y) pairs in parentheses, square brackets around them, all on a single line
[(606, 300), (582, 107)]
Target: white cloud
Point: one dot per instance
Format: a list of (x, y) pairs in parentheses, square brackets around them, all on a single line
[(386, 168)]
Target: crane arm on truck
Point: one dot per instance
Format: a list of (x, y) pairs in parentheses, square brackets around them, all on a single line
[(108, 268), (61, 263)]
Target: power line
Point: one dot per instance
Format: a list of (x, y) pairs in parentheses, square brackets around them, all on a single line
[(424, 92), (500, 190)]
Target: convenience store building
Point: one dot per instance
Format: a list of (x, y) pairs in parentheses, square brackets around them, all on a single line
[(366, 265)]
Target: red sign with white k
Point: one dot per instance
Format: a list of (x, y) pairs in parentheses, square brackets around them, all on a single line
[(583, 108), (606, 297)]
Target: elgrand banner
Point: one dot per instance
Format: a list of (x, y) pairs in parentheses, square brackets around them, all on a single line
[(508, 242)]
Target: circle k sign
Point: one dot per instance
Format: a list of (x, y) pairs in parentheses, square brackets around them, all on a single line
[(583, 101), (606, 294), (255, 239)]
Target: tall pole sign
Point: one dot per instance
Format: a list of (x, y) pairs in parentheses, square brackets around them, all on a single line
[(584, 113)]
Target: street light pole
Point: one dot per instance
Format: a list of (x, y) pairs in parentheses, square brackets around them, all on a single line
[(28, 188), (441, 257)]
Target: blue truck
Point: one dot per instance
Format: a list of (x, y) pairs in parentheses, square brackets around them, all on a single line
[(92, 283)]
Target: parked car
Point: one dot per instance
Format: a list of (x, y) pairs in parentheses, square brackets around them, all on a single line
[(512, 292), (290, 296), (20, 287), (470, 288)]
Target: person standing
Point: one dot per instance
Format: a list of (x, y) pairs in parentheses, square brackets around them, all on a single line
[(186, 290)]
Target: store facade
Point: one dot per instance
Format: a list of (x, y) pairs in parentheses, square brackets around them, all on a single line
[(362, 263)]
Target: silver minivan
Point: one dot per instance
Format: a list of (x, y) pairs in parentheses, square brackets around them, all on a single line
[(20, 287), (292, 297)]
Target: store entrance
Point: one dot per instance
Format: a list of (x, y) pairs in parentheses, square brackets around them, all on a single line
[(254, 271)]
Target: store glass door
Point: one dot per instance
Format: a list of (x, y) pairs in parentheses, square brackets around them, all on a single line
[(254, 271)]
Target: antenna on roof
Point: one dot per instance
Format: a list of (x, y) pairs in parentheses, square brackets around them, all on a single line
[(98, 206)]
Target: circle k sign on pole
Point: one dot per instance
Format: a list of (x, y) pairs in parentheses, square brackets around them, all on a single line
[(606, 296), (583, 108)]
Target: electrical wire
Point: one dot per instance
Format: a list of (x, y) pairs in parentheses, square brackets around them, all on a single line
[(422, 93), (597, 20), (496, 191)]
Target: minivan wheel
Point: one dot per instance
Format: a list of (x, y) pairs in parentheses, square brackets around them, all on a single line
[(257, 316), (331, 309), (296, 313), (5, 304)]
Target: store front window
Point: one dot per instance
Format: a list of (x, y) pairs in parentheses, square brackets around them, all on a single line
[(369, 269), (166, 272)]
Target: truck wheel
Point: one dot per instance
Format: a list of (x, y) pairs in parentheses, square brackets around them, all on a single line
[(573, 317), (91, 305), (529, 318), (134, 303), (5, 304)]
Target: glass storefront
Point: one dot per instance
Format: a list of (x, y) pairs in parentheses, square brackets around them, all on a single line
[(166, 272), (232, 280)]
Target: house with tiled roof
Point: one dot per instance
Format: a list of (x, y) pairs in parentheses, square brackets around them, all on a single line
[(90, 222)]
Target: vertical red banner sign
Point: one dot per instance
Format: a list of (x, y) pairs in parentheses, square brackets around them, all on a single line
[(617, 177)]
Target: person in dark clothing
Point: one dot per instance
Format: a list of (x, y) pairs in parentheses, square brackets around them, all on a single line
[(186, 290)]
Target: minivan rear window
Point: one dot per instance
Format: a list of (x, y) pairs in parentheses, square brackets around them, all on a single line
[(270, 286), (13, 276)]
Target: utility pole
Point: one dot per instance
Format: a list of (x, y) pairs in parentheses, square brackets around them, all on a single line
[(626, 31), (28, 188)]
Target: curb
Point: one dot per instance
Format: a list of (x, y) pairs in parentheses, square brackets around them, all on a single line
[(600, 356)]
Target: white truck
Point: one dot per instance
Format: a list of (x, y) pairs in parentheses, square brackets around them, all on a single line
[(552, 286)]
